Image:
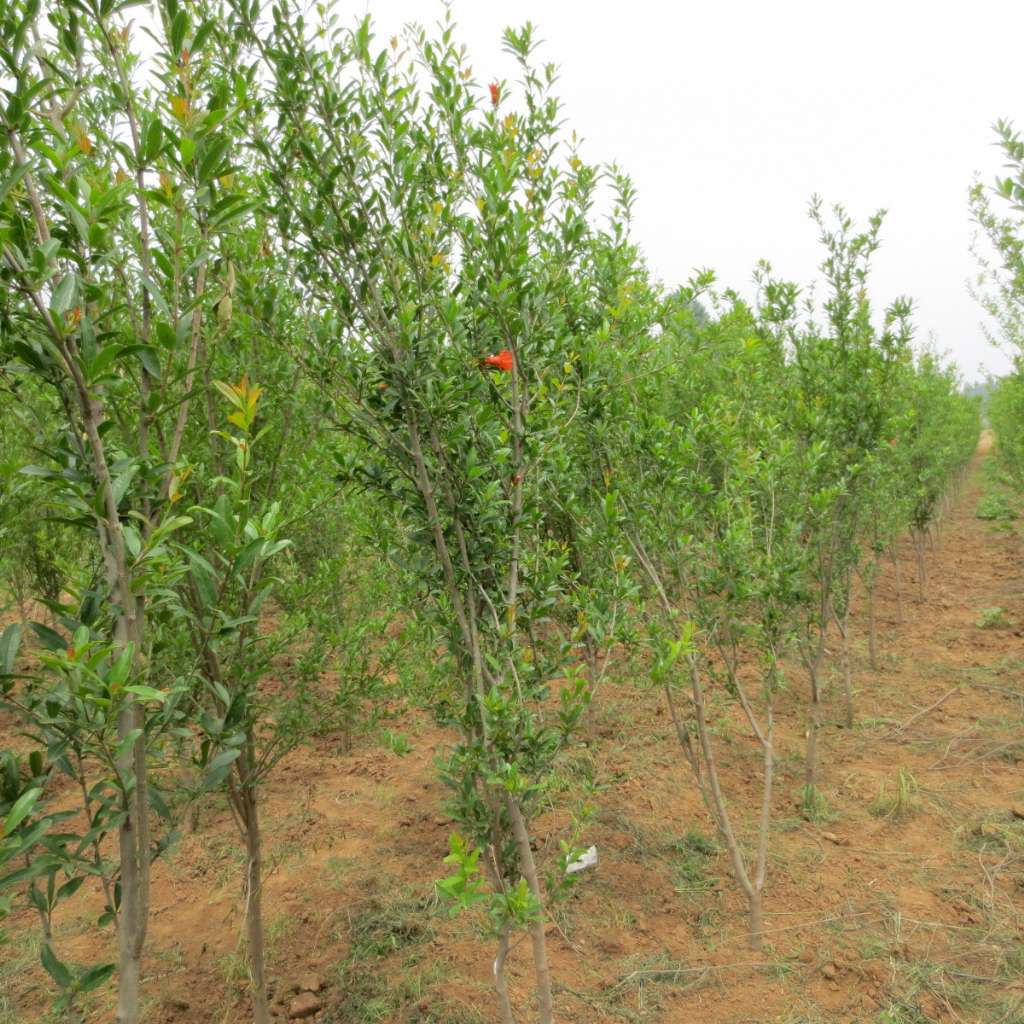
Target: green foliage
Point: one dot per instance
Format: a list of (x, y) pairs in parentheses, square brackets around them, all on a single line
[(899, 802), (493, 454), (814, 805), (695, 851), (993, 618), (226, 588), (996, 507), (454, 372), (1000, 291), (389, 925)]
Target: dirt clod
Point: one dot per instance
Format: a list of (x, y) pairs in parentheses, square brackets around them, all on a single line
[(833, 838), (304, 1005)]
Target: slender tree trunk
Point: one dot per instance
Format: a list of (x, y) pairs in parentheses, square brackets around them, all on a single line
[(129, 624), (922, 573), (709, 784), (540, 953), (813, 723), (133, 835), (756, 891), (813, 660), (899, 585), (501, 979), (133, 847), (872, 626), (844, 635), (254, 905), (128, 989), (593, 681), (719, 810), (755, 935)]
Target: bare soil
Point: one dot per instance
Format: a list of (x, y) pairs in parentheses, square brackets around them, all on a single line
[(872, 915)]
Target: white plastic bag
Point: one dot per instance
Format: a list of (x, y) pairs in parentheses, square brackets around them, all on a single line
[(587, 859)]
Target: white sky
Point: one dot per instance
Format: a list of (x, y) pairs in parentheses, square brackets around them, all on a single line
[(728, 115)]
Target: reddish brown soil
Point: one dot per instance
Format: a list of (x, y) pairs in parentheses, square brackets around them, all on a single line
[(870, 918)]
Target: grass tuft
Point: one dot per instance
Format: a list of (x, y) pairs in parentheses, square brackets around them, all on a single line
[(901, 802)]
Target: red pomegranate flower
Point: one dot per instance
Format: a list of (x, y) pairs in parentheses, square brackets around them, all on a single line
[(502, 361), (495, 93)]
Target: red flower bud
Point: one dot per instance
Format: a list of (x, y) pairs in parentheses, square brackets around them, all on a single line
[(502, 361), (495, 93)]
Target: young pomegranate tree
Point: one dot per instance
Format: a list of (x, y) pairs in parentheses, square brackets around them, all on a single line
[(242, 732), (116, 188), (838, 398), (999, 213), (709, 495), (941, 437), (436, 227)]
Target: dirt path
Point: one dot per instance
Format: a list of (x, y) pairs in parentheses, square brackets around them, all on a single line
[(896, 913)]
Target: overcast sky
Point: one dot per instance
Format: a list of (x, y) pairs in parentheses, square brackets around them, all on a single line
[(729, 115)]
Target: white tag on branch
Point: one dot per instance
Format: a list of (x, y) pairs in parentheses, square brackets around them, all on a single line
[(587, 859)]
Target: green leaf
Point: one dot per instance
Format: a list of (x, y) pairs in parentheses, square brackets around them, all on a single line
[(60, 974), (129, 741), (21, 810), (213, 158), (150, 360), (201, 34), (217, 769), (158, 803), (34, 833), (248, 554), (221, 520), (132, 540), (165, 335), (147, 693), (40, 471), (33, 870), (64, 294), (122, 482), (94, 977), (70, 887), (104, 359), (119, 670), (10, 640), (154, 140), (203, 576), (233, 209), (12, 179), (179, 29), (156, 295), (49, 638), (230, 394)]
